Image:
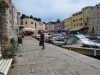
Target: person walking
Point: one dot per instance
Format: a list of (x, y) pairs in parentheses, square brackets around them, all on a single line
[(42, 39)]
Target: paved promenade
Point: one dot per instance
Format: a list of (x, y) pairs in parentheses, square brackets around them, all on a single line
[(52, 61)]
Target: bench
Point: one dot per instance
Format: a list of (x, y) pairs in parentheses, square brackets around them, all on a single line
[(5, 65)]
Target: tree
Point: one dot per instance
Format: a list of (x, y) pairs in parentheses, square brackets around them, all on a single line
[(58, 20), (27, 17), (23, 16), (35, 18), (3, 5), (31, 16), (52, 22), (38, 19), (44, 22)]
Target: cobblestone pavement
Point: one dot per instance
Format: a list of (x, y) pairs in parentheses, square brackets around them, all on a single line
[(52, 61)]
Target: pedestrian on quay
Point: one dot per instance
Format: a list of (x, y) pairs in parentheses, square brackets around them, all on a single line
[(42, 39)]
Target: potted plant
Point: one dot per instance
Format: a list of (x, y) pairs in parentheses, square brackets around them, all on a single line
[(13, 48)]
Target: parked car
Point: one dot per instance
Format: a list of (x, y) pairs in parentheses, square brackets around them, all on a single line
[(37, 36), (46, 37)]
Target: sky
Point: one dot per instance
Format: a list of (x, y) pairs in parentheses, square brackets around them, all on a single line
[(51, 10)]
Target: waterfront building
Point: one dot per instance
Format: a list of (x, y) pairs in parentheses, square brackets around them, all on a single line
[(50, 27), (94, 20), (32, 25), (68, 23), (58, 27), (80, 19)]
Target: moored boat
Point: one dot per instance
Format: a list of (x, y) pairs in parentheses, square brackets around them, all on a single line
[(79, 43)]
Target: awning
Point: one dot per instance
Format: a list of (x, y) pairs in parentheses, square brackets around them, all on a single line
[(74, 29), (18, 25), (29, 29), (65, 29)]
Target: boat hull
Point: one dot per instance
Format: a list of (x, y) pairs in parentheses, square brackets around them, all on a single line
[(85, 51)]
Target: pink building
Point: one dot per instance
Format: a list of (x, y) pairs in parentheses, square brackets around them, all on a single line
[(50, 27), (59, 26), (10, 9)]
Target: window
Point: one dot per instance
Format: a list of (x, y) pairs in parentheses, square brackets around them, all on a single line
[(21, 23), (73, 15), (97, 7), (97, 28), (80, 13), (76, 14), (73, 20), (80, 19), (74, 25), (85, 24), (31, 22), (80, 24), (35, 24), (92, 28), (16, 30), (10, 1), (76, 19), (25, 22), (9, 11)]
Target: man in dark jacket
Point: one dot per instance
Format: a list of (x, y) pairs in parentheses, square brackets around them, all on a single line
[(42, 39)]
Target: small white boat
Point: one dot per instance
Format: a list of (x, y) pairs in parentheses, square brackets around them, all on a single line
[(59, 42)]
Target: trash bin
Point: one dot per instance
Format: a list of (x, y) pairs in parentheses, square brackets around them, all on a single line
[(19, 40), (12, 40)]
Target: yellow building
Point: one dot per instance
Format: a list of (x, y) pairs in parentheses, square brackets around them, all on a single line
[(29, 24), (80, 19), (68, 23)]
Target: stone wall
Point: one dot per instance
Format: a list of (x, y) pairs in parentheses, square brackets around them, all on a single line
[(6, 29)]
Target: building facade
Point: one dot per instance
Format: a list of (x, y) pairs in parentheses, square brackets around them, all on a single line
[(80, 19), (68, 23), (32, 24), (50, 27), (94, 20), (10, 9), (29, 24), (14, 15), (18, 18), (58, 27), (42, 25)]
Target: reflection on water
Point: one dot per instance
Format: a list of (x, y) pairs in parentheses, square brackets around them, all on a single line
[(96, 57)]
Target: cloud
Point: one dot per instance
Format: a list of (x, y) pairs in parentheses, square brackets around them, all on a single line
[(52, 9)]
